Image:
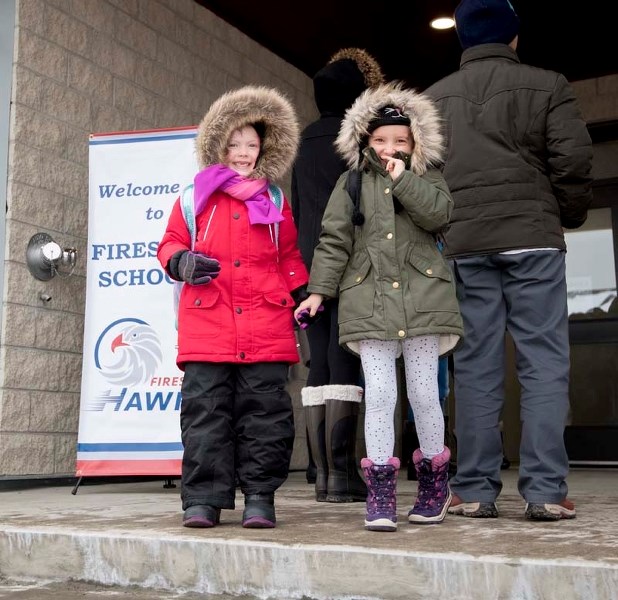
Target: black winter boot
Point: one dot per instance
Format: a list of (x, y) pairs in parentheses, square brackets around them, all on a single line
[(315, 410), (311, 470), (259, 511), (344, 482)]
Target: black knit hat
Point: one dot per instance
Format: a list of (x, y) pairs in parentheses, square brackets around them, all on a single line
[(486, 22), (388, 115), (337, 85), (349, 72)]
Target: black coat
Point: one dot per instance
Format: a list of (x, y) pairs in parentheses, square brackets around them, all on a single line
[(315, 173)]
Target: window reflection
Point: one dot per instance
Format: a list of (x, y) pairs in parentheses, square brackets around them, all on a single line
[(590, 268)]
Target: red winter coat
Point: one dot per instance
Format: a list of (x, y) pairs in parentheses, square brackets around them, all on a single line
[(245, 314)]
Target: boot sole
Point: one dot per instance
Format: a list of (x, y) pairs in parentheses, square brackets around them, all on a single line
[(257, 523), (380, 525), (200, 522), (421, 520), (476, 511)]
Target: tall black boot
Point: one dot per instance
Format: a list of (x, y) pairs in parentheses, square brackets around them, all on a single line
[(344, 481), (311, 470), (315, 411), (409, 443)]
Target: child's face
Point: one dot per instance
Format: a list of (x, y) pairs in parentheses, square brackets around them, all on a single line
[(243, 149), (388, 139)]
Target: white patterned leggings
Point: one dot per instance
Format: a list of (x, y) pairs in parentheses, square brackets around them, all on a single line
[(420, 356)]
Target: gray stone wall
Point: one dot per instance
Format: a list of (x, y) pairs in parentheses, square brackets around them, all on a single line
[(84, 66)]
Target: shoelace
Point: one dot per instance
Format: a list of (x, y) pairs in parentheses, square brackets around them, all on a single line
[(382, 488), (429, 485)]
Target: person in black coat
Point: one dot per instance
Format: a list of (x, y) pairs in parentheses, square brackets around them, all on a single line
[(332, 395)]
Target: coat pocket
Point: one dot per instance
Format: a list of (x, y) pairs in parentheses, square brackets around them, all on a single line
[(356, 291), (199, 317), (431, 284), (277, 313)]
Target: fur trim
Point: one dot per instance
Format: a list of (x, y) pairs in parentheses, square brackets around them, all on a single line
[(312, 396), (424, 125), (347, 393), (368, 66), (437, 460), (244, 106)]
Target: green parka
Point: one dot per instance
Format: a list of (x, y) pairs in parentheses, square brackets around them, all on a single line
[(392, 280)]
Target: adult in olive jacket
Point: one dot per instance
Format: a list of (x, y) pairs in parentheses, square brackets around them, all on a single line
[(518, 166)]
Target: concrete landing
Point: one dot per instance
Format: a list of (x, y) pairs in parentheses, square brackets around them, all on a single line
[(130, 534)]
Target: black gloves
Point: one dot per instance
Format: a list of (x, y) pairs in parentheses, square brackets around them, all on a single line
[(193, 267)]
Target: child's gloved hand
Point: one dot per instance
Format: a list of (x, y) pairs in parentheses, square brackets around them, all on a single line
[(198, 269)]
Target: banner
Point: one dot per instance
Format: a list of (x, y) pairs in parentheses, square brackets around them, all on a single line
[(130, 397)]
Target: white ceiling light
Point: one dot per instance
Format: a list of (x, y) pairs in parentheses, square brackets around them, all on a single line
[(443, 23)]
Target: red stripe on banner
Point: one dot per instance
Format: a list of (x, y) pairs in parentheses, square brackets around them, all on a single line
[(139, 131), (100, 468)]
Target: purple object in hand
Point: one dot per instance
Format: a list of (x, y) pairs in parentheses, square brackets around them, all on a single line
[(304, 319)]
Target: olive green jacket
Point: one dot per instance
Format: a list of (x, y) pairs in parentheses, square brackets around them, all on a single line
[(392, 280)]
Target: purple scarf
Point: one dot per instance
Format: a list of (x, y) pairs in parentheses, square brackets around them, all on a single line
[(253, 192)]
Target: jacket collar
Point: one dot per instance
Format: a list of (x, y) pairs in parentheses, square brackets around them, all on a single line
[(485, 51), (373, 162)]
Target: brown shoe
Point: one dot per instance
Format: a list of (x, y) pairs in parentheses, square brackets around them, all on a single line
[(478, 510), (564, 509)]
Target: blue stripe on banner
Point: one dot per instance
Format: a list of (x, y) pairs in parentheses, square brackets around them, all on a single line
[(134, 140), (130, 447)]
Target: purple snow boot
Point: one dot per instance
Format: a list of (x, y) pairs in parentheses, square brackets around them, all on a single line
[(434, 496), (381, 494)]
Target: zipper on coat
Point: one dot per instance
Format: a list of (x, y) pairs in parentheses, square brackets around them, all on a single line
[(212, 214), (274, 239)]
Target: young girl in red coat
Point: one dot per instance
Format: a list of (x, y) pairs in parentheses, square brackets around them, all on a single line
[(235, 325)]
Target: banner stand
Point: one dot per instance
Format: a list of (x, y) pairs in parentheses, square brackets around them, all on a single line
[(169, 484), (129, 423)]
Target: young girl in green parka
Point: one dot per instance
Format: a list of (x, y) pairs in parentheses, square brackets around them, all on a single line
[(378, 250)]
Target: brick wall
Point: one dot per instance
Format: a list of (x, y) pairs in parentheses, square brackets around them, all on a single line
[(84, 66)]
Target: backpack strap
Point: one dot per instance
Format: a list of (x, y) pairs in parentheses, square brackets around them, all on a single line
[(276, 195), (353, 187), (187, 206)]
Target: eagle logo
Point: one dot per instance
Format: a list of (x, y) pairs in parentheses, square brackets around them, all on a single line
[(128, 352)]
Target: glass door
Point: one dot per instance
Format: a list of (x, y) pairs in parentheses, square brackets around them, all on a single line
[(592, 434)]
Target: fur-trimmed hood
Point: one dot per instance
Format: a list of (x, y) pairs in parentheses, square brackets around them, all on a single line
[(424, 125), (245, 106)]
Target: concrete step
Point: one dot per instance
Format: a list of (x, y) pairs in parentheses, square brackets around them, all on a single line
[(130, 534)]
